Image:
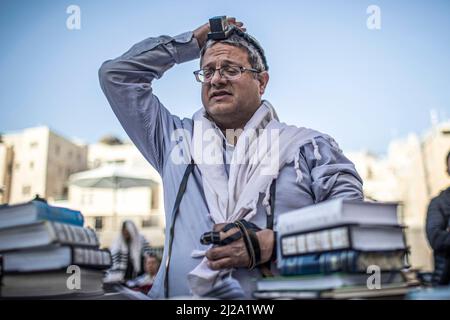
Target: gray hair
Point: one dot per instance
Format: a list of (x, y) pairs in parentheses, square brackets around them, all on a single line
[(254, 57)]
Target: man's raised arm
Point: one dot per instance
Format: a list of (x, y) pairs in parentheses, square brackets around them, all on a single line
[(126, 82)]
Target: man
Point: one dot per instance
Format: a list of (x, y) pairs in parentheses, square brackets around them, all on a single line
[(128, 252), (298, 167), (438, 233), (144, 282)]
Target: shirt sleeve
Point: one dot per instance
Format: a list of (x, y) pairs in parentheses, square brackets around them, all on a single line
[(333, 175), (127, 83)]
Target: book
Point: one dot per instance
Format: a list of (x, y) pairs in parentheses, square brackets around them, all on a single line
[(356, 237), (424, 293), (55, 257), (323, 282), (337, 212), (349, 261), (288, 294), (45, 233), (33, 211), (49, 284), (396, 290)]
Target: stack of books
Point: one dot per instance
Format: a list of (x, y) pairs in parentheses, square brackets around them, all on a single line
[(339, 249), (45, 251)]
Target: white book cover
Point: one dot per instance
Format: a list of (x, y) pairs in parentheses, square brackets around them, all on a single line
[(337, 212)]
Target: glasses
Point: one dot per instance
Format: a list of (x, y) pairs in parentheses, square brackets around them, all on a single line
[(226, 72)]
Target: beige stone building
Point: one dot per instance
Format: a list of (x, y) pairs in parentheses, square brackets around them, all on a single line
[(38, 161), (6, 163), (380, 181), (412, 173), (106, 208)]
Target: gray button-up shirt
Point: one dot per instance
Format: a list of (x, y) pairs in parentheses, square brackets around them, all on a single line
[(126, 82)]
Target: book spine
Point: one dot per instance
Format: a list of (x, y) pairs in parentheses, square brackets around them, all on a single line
[(74, 235), (316, 241), (341, 261), (311, 217), (57, 214), (100, 259)]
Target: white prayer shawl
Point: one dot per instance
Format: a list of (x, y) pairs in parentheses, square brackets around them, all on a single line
[(119, 252), (264, 147)]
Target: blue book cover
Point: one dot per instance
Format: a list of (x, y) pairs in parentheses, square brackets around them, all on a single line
[(340, 261), (58, 214), (34, 211), (348, 261)]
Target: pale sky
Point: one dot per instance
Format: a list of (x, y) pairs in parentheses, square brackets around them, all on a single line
[(328, 71)]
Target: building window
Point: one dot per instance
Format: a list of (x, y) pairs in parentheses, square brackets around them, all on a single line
[(70, 155), (17, 166), (31, 165), (65, 192), (33, 145), (26, 190), (57, 150), (98, 223)]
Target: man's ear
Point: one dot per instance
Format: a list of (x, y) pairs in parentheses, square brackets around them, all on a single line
[(263, 79)]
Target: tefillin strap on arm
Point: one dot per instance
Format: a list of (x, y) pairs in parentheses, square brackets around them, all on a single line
[(246, 230), (213, 237), (251, 242)]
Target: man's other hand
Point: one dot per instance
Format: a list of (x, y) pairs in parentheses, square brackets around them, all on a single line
[(235, 255)]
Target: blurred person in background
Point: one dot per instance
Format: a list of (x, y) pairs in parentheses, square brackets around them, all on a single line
[(438, 233), (144, 282), (128, 253)]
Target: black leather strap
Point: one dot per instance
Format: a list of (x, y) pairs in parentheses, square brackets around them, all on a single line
[(255, 244), (248, 243), (175, 210), (273, 189), (249, 225), (213, 237)]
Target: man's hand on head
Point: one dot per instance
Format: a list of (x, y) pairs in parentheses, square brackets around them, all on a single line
[(235, 255), (201, 33)]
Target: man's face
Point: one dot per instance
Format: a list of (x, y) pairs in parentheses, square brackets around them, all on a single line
[(126, 235), (231, 102), (151, 265)]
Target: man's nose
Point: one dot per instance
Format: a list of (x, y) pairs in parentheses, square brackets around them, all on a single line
[(217, 78)]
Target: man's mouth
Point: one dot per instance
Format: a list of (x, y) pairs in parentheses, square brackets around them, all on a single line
[(219, 94)]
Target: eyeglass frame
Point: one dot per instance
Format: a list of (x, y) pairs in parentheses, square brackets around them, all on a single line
[(241, 69)]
